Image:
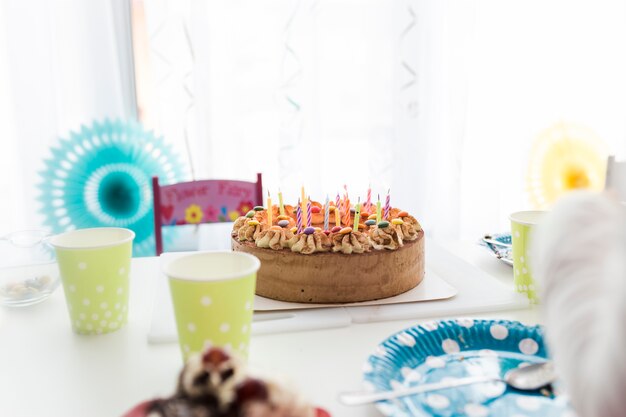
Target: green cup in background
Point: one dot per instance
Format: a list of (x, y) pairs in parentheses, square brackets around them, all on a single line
[(213, 296), (95, 266), (522, 223)]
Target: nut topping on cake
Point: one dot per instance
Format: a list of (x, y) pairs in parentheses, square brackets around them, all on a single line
[(385, 234)]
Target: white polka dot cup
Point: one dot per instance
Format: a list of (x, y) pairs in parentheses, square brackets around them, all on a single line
[(213, 295), (522, 225), (95, 266)]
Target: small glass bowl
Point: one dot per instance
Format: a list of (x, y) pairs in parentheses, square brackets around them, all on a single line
[(28, 268)]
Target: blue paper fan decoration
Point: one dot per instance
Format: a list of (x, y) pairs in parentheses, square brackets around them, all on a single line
[(101, 176)]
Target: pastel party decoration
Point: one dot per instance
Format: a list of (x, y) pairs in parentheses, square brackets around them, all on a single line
[(378, 210), (308, 213), (213, 294), (283, 223), (95, 265), (250, 214), (565, 157), (253, 222), (397, 221), (345, 230), (315, 209), (309, 230), (335, 229), (258, 208), (383, 224), (370, 222), (100, 176)]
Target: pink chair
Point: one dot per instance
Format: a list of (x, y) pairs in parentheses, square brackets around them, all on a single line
[(204, 201)]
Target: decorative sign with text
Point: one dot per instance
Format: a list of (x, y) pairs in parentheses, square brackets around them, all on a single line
[(208, 201)]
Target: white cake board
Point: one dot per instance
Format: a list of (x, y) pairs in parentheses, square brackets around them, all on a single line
[(273, 316), (478, 292)]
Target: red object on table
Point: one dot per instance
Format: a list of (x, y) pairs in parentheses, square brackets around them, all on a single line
[(142, 409)]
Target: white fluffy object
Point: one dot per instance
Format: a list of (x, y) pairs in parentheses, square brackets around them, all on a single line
[(579, 255)]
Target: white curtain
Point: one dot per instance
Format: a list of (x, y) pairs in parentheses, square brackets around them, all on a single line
[(63, 63), (319, 94), (438, 100)]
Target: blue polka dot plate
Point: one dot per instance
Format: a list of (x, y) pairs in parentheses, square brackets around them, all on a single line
[(438, 351), (501, 246)]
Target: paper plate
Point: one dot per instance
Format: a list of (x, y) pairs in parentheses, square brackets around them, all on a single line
[(505, 254), (451, 349)]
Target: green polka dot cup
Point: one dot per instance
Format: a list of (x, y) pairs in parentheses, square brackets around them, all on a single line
[(94, 266), (522, 225), (213, 295)]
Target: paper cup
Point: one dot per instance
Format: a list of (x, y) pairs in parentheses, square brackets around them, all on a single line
[(522, 224), (94, 266), (213, 295)]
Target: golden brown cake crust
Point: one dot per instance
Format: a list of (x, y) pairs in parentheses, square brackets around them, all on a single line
[(335, 277)]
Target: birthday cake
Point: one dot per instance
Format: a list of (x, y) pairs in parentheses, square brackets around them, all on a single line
[(307, 255)]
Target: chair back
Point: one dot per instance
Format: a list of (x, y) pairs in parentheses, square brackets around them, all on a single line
[(204, 201)]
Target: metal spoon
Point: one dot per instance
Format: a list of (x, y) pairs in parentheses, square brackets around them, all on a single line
[(528, 378)]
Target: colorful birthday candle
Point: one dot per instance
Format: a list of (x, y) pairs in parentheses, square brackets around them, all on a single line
[(387, 206), (308, 212), (299, 216), (326, 208), (378, 216), (281, 207), (368, 203), (269, 209), (346, 213), (357, 216), (303, 206), (337, 215)]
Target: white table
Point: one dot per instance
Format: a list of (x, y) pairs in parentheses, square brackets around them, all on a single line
[(46, 370)]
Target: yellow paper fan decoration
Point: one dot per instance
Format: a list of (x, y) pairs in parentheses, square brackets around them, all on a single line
[(565, 157)]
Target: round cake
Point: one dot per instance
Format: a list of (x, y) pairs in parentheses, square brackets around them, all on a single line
[(353, 261)]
